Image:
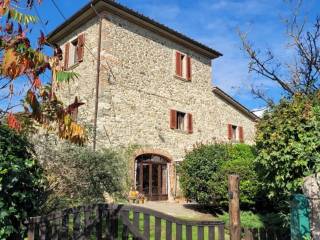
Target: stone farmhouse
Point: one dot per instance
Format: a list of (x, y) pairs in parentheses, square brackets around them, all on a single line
[(147, 85)]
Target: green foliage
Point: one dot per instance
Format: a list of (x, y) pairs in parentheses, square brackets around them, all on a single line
[(204, 174), (21, 184), (272, 222), (63, 76), (78, 175), (240, 161), (288, 144)]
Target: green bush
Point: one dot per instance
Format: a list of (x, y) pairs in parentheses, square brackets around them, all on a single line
[(79, 175), (22, 186), (271, 222), (204, 174), (241, 161), (200, 177), (288, 146)]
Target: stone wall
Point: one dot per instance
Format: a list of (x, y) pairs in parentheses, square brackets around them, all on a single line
[(138, 88), (311, 189)]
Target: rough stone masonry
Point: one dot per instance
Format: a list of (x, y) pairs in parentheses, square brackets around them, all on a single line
[(138, 88)]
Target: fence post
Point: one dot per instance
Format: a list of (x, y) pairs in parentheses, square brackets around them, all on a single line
[(234, 207)]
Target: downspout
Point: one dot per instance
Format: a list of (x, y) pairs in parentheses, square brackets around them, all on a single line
[(97, 86)]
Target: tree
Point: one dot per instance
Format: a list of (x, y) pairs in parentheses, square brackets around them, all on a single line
[(288, 145), (302, 73), (78, 175), (21, 62), (22, 185)]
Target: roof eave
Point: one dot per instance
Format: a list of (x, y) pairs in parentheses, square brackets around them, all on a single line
[(235, 104), (87, 13)]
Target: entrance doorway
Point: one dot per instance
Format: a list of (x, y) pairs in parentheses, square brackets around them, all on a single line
[(152, 177)]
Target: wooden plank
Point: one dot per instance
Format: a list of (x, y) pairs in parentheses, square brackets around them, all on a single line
[(157, 230), (234, 207), (178, 231), (125, 231), (87, 222), (146, 226), (189, 232), (114, 225), (221, 232), (136, 216), (211, 235), (168, 230), (169, 217), (99, 214), (55, 225), (76, 223), (132, 229), (31, 228), (64, 226), (43, 230), (248, 234), (107, 214), (200, 232)]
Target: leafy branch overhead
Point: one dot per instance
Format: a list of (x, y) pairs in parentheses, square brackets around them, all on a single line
[(21, 62)]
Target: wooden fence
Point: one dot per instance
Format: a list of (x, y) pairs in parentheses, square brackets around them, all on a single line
[(120, 222), (264, 234)]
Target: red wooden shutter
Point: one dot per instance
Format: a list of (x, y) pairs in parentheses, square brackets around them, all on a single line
[(190, 123), (173, 119), (178, 64), (80, 47), (189, 68), (66, 55), (229, 131), (241, 135)]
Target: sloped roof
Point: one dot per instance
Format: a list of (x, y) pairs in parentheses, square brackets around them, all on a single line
[(224, 96), (88, 12)]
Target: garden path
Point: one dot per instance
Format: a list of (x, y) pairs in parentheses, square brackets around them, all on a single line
[(185, 211)]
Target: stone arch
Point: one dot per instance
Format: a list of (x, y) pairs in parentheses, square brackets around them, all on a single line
[(154, 151)]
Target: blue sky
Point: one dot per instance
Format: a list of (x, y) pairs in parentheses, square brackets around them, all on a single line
[(214, 23)]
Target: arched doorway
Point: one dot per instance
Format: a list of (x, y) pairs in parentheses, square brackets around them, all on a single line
[(152, 176)]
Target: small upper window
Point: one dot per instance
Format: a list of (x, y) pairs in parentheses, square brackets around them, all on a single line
[(180, 120), (235, 133), (183, 66), (73, 52)]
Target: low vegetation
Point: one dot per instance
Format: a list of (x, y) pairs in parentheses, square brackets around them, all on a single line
[(79, 175), (204, 172), (22, 185)]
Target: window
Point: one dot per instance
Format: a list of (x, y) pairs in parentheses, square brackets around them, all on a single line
[(183, 66), (235, 133), (74, 51), (181, 121)]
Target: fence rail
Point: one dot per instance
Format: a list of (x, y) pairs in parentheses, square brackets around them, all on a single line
[(112, 222)]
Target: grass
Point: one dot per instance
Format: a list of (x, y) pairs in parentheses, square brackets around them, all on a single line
[(163, 229)]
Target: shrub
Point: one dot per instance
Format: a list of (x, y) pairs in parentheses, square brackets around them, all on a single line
[(78, 175), (204, 173), (241, 162), (288, 146), (22, 185), (273, 223)]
